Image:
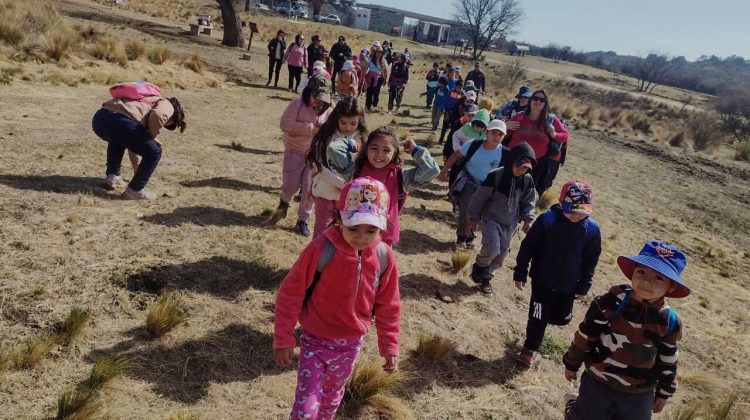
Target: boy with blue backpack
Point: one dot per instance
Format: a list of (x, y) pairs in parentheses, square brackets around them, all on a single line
[(628, 340), (563, 247), (441, 98)]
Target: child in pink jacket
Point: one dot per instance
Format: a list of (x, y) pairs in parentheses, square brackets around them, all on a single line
[(301, 120), (335, 301)]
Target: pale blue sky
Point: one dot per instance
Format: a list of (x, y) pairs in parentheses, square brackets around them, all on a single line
[(677, 27)]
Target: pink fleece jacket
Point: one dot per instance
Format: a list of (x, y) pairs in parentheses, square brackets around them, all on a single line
[(296, 55), (298, 124), (347, 295), (536, 138)]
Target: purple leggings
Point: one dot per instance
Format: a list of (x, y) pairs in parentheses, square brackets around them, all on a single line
[(324, 214), (324, 367)]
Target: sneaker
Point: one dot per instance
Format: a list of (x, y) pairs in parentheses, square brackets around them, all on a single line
[(129, 194), (569, 400), (527, 357), (477, 273), (485, 287), (301, 229), (112, 182)]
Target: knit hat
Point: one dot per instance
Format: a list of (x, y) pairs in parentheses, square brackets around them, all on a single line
[(320, 88), (524, 92), (576, 197), (497, 125), (348, 65), (364, 201), (665, 259)]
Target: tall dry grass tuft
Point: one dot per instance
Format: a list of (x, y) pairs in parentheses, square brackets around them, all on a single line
[(60, 42), (459, 260), (183, 416), (429, 141), (11, 32), (728, 407), (104, 370), (704, 129), (194, 63), (72, 327), (135, 49), (158, 55), (435, 347), (108, 49), (742, 149), (78, 404), (33, 352), (370, 386), (165, 314), (547, 199)]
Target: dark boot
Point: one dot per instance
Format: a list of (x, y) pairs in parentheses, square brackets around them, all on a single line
[(478, 273), (279, 213)]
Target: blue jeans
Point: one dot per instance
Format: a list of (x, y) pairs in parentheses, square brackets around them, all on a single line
[(122, 133)]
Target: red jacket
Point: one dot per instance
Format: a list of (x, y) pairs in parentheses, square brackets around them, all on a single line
[(537, 139), (345, 297)]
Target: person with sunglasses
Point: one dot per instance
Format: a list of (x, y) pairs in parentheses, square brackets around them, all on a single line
[(545, 133)]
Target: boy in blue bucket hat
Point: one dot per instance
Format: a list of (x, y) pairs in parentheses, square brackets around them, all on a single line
[(628, 340)]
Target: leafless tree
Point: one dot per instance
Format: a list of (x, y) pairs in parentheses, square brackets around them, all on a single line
[(232, 25), (484, 21), (651, 71)]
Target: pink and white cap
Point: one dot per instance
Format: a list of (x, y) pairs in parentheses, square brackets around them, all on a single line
[(364, 201)]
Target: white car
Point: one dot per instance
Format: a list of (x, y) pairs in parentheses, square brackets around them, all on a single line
[(262, 6), (328, 18)]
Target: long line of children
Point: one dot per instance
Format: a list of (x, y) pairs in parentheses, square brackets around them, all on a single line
[(346, 279)]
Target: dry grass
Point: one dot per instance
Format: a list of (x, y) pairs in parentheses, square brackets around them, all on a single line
[(403, 133), (106, 369), (194, 63), (742, 150), (158, 55), (429, 141), (33, 352), (236, 145), (79, 404), (547, 199), (459, 260), (72, 327), (435, 347), (165, 314), (679, 139), (725, 408), (705, 131), (108, 49), (371, 387), (135, 49), (183, 416)]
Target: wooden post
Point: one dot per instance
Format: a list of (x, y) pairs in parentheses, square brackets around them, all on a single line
[(253, 30)]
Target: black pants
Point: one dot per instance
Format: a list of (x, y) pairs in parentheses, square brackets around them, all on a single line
[(598, 401), (395, 94), (336, 70), (546, 307), (295, 76), (544, 174), (373, 95), (274, 65), (446, 124)]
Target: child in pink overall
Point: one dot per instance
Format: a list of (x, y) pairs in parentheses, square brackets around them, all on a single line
[(336, 303)]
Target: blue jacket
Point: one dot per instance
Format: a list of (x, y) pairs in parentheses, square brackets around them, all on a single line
[(441, 97), (563, 254)]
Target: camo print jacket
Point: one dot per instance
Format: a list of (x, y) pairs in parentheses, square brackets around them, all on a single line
[(630, 351)]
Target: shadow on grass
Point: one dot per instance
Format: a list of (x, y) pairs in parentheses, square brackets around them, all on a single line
[(201, 216), (460, 371), (421, 286), (428, 195), (279, 97), (229, 184), (218, 276), (429, 214), (184, 372), (57, 184), (250, 150), (412, 242)]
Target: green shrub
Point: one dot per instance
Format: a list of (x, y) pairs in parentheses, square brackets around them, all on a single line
[(742, 149)]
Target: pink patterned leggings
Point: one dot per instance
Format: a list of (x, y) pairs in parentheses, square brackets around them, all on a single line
[(324, 367)]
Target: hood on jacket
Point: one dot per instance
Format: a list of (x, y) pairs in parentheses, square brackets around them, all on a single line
[(521, 150), (482, 116)]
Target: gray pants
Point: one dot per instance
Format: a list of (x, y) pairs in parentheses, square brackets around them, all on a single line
[(436, 114), (464, 197), (495, 246), (597, 401)]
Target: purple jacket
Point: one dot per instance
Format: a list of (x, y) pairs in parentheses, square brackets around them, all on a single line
[(399, 74)]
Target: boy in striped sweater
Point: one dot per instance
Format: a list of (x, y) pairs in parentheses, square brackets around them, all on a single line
[(628, 341)]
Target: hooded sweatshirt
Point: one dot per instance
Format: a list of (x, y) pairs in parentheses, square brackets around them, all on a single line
[(347, 82), (298, 125), (345, 298), (152, 113), (467, 132), (631, 351), (504, 198)]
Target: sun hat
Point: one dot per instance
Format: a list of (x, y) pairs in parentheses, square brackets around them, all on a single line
[(471, 95), (320, 88), (496, 125), (576, 197), (665, 259), (524, 92), (364, 201), (348, 65)]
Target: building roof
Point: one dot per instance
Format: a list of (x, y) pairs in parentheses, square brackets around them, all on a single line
[(418, 16)]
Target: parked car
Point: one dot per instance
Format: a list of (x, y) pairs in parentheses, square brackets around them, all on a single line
[(299, 12), (283, 9), (261, 6), (328, 18)]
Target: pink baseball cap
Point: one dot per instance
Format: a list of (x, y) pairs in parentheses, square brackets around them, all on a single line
[(364, 201)]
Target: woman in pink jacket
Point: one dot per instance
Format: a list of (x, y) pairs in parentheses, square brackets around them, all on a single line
[(342, 279), (296, 59), (545, 133), (299, 123)]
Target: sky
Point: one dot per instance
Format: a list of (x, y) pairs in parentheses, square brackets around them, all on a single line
[(690, 28)]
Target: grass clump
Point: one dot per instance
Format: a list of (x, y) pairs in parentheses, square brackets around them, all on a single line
[(158, 55), (183, 416), (165, 314), (725, 408), (194, 63), (742, 149), (435, 347), (705, 130), (403, 133), (33, 352), (104, 370), (78, 404), (429, 141), (60, 42), (370, 386), (108, 49), (135, 49), (546, 200), (236, 145), (553, 347), (72, 327), (459, 260)]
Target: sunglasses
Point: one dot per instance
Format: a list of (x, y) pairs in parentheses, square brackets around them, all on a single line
[(538, 99)]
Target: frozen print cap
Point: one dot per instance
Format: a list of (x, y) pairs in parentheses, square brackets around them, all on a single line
[(364, 201)]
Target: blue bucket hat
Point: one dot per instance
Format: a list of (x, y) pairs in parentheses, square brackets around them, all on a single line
[(665, 259), (524, 92)]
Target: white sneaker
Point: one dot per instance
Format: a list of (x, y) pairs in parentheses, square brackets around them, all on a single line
[(112, 182), (129, 194)]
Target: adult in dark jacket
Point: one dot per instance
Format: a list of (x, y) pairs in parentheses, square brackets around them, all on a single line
[(477, 77), (315, 52), (563, 246), (340, 52), (276, 50)]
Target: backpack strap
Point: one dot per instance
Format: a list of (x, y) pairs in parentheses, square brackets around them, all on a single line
[(323, 260), (382, 252), (672, 321), (475, 145), (401, 199)]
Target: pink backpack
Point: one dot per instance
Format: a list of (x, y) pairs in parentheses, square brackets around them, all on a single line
[(134, 91)]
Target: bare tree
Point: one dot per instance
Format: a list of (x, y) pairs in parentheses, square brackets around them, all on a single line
[(232, 26), (484, 21), (316, 4), (651, 71)]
